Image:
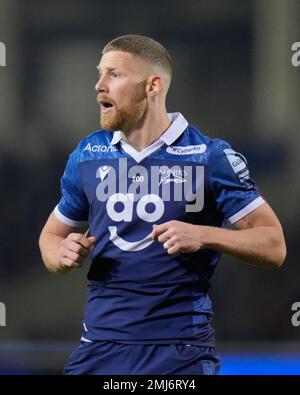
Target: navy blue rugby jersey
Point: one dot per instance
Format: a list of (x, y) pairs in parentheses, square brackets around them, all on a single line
[(136, 291)]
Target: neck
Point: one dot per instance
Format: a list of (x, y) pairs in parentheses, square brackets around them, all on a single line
[(154, 125)]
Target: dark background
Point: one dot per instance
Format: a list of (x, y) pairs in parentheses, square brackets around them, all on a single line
[(233, 79)]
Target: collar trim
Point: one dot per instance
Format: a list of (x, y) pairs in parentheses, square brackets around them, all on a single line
[(177, 127)]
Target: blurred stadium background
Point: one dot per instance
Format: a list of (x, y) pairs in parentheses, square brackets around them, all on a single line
[(233, 79)]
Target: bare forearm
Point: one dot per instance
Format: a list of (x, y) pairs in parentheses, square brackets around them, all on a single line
[(262, 245), (49, 246)]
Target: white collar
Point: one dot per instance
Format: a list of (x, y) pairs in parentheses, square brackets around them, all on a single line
[(177, 127)]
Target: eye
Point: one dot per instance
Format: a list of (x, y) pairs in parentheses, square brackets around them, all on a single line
[(115, 74)]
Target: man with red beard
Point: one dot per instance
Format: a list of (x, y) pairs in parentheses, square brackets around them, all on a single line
[(154, 193)]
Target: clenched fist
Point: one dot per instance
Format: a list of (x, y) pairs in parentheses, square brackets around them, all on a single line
[(177, 236), (74, 249)]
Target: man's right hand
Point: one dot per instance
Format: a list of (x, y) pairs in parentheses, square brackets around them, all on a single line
[(74, 249)]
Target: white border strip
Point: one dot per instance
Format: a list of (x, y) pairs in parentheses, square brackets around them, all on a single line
[(247, 210), (177, 127), (85, 340), (138, 156), (68, 221)]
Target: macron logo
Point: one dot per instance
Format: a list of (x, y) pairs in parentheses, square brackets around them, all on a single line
[(100, 148), (187, 150), (103, 171)]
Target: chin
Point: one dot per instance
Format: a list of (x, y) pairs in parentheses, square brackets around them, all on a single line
[(108, 126)]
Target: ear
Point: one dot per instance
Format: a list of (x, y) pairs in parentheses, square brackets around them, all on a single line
[(154, 85)]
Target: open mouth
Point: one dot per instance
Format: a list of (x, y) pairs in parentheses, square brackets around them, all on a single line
[(106, 106)]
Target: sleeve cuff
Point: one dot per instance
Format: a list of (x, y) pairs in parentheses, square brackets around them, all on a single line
[(247, 210), (68, 221)]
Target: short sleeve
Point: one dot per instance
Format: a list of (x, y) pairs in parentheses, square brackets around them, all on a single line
[(236, 195), (73, 206)]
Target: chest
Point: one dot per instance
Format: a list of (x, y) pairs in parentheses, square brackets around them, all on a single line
[(125, 189)]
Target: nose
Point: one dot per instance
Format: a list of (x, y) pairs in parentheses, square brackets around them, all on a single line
[(101, 85)]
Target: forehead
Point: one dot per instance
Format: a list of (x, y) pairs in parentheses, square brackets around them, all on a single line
[(120, 60)]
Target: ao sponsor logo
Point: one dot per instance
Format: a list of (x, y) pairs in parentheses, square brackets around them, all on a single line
[(2, 54), (126, 215), (295, 59), (143, 192), (2, 314), (100, 148)]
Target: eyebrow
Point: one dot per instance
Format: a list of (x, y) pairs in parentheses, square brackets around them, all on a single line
[(107, 68)]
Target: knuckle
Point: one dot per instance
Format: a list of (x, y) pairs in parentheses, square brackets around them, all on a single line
[(78, 236), (75, 264), (75, 236), (70, 236), (78, 248), (77, 257), (65, 262)]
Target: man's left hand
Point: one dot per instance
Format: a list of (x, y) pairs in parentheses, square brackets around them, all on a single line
[(177, 236)]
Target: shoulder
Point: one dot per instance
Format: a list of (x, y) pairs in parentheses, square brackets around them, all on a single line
[(212, 147), (219, 147), (222, 153), (195, 136), (225, 162), (216, 152)]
